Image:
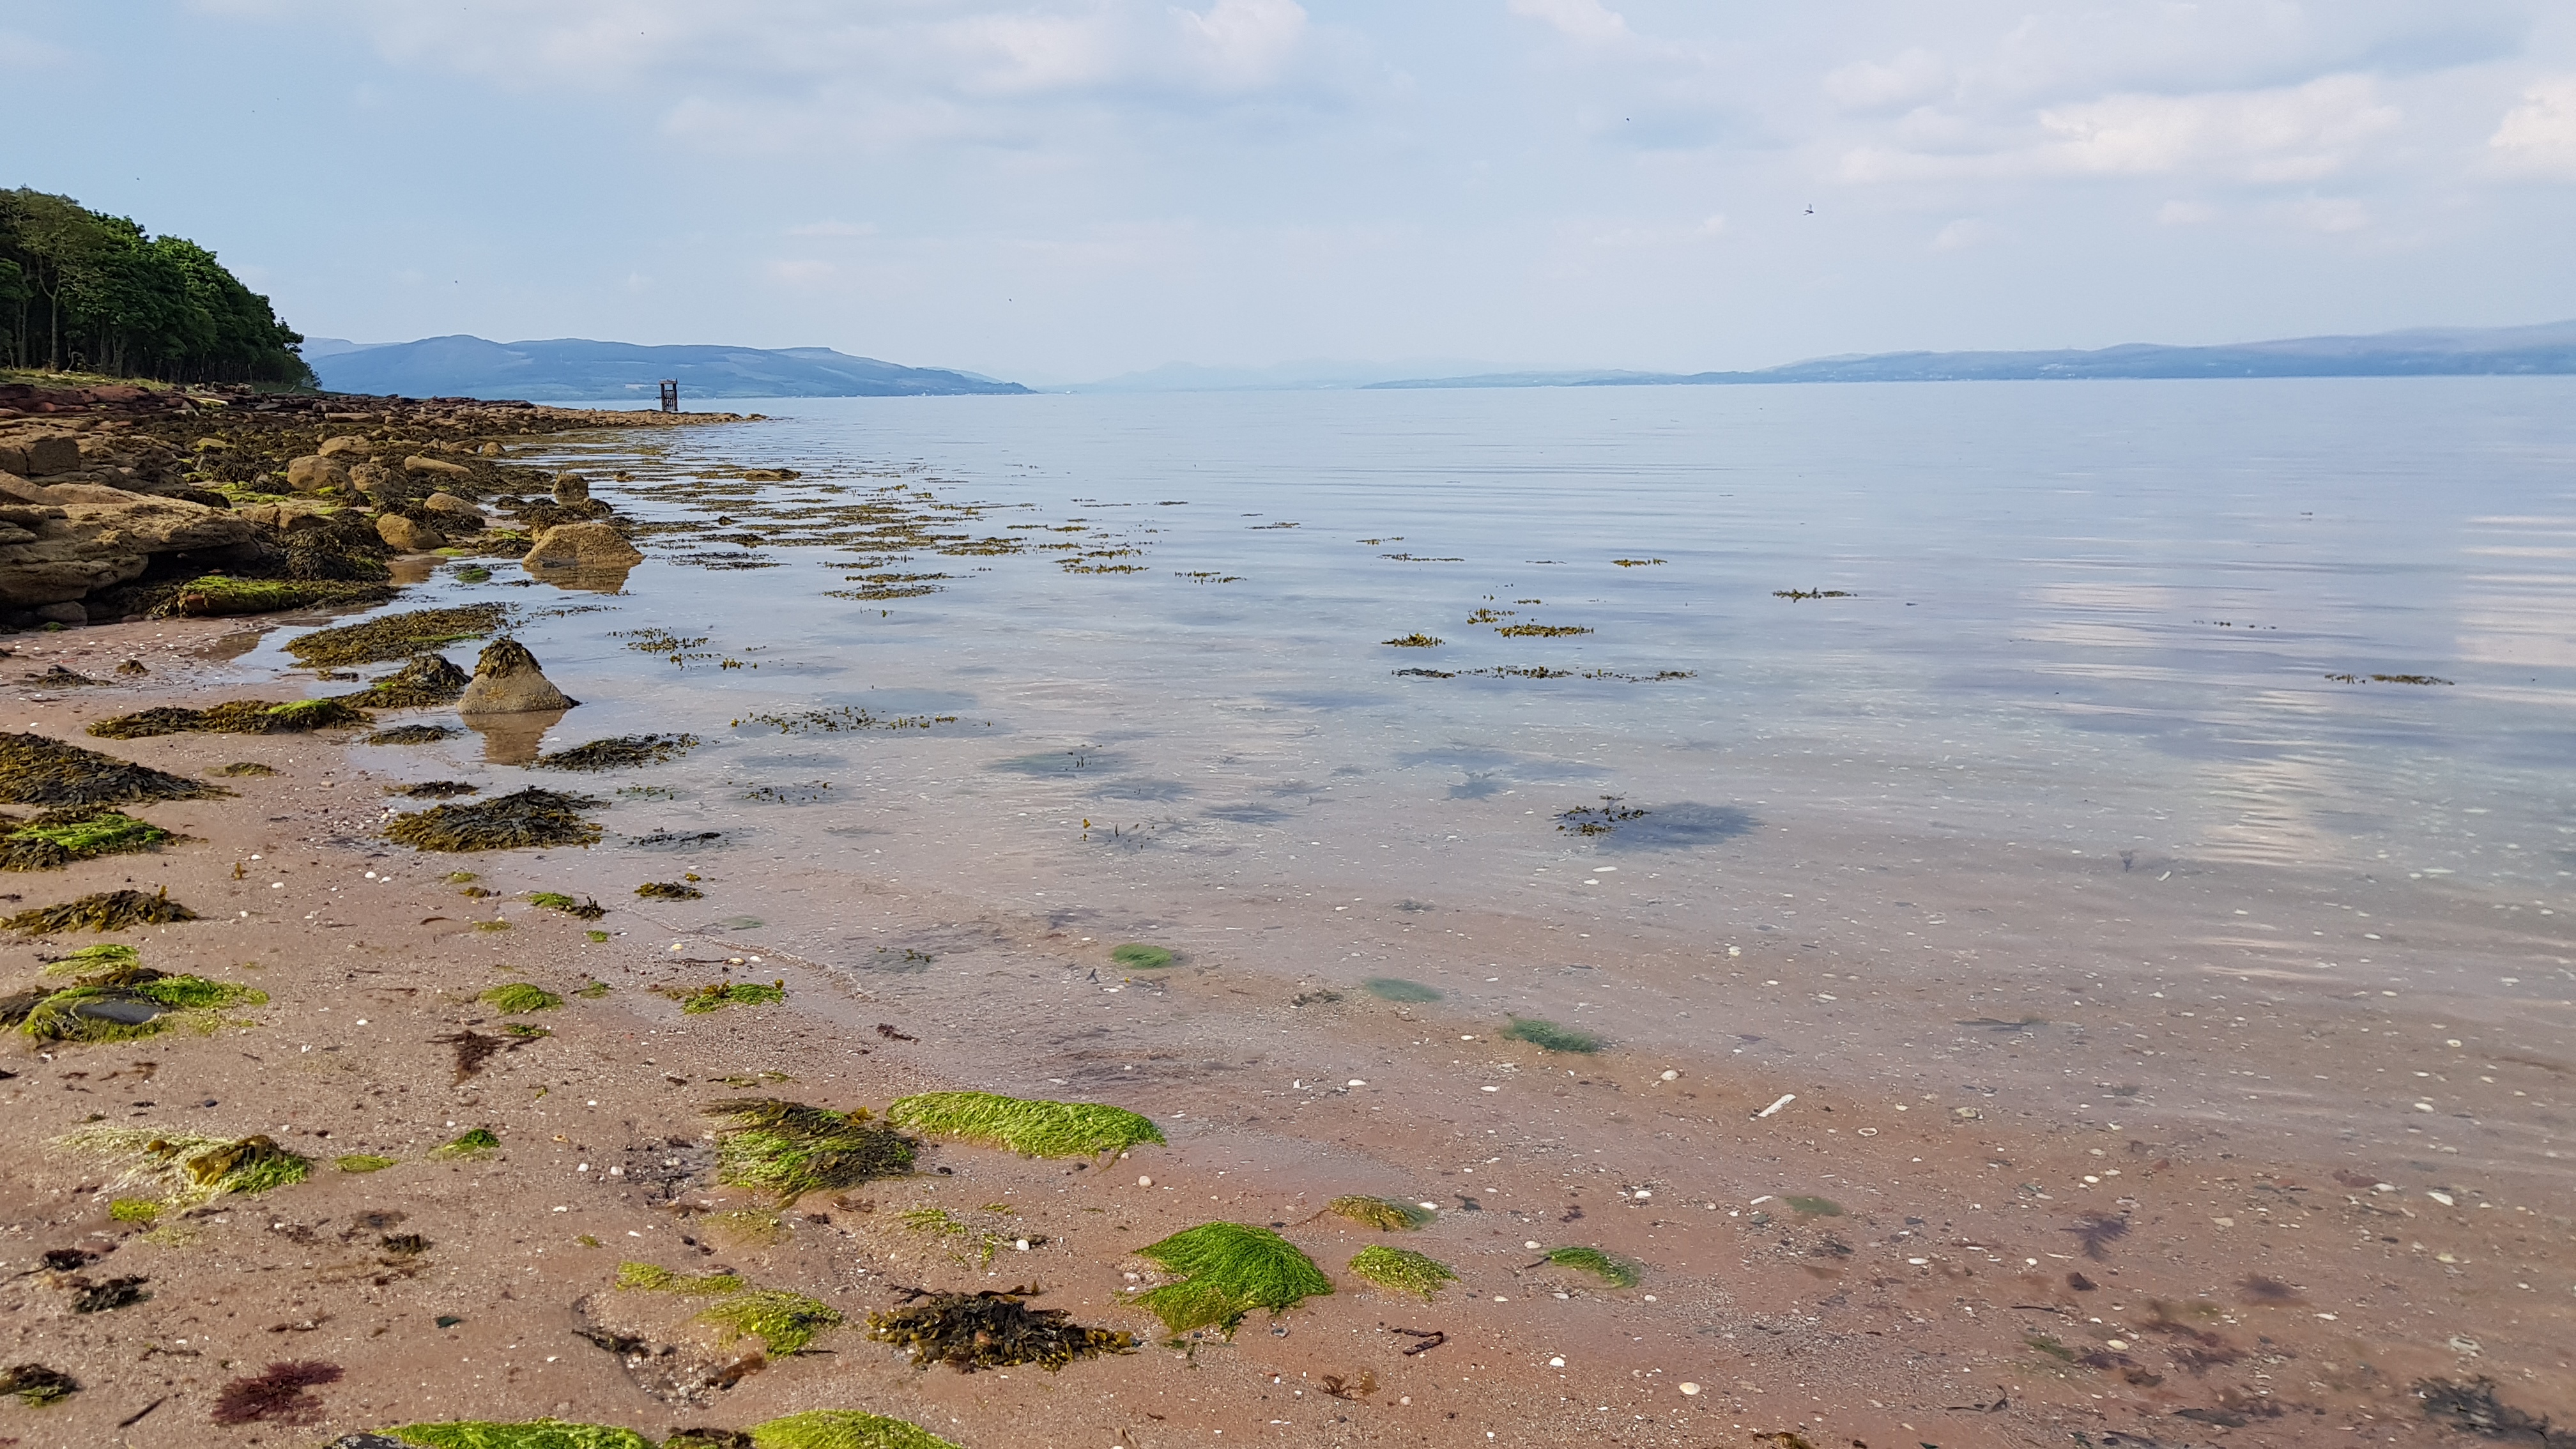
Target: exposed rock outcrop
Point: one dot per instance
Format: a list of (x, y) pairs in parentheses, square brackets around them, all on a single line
[(57, 552), (507, 680), (585, 547), (408, 536)]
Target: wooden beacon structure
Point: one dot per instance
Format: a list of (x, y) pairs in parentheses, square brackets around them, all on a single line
[(670, 394)]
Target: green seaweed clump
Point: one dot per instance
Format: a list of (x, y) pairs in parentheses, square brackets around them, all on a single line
[(35, 770), (134, 1210), (518, 998), (783, 1321), (1227, 1270), (534, 1434), (80, 832), (650, 1278), (519, 820), (188, 1168), (662, 890), (991, 1329), (240, 717), (1617, 1272), (791, 1149), (397, 636), (123, 1003), (213, 596), (1396, 988), (101, 911), (1402, 1270), (843, 1429), (36, 1385), (558, 901), (1384, 1214), (717, 995), (1548, 1036), (1030, 1128), (1137, 956), (362, 1162), (624, 753), (105, 956), (478, 1143)]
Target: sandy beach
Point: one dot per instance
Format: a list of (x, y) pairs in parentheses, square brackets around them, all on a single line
[(1824, 1260)]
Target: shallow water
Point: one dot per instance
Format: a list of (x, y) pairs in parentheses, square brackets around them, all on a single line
[(2072, 740)]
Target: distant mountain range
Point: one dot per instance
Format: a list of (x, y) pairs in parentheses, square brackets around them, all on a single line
[(2421, 352), (572, 369)]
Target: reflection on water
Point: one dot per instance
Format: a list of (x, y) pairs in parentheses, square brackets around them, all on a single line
[(2081, 694)]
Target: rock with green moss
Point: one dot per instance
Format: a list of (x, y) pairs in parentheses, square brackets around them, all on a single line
[(59, 837)]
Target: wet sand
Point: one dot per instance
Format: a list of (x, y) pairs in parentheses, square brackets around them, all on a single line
[(2133, 1218)]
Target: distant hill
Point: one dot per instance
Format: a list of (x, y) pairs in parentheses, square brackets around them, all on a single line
[(2422, 352), (1313, 375), (572, 369)]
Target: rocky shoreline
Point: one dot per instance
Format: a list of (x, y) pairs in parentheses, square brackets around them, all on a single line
[(127, 502)]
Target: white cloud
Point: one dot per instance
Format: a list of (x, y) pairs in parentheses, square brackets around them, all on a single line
[(2539, 136), (2292, 134), (1585, 20)]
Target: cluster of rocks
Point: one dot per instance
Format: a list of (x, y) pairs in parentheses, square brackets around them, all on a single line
[(116, 501)]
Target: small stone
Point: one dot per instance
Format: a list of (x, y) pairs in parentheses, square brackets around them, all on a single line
[(1672, 1076), (1144, 1182), (1690, 1388), (1556, 1363)]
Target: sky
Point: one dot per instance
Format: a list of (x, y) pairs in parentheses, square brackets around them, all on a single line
[(1060, 190)]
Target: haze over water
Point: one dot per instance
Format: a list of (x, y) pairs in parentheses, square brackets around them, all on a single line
[(2072, 740)]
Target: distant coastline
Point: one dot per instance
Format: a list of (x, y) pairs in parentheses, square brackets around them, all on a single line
[(573, 369), (2545, 349)]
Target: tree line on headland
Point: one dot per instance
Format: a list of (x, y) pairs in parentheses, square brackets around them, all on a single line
[(84, 292)]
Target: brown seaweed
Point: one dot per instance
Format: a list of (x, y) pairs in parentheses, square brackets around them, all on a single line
[(990, 1329), (37, 770), (397, 636), (623, 753), (101, 911), (516, 821)]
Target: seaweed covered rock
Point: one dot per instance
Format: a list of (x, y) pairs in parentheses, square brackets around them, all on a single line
[(426, 680), (396, 636), (36, 770), (591, 546), (571, 488), (507, 680), (519, 820), (101, 911), (238, 717), (792, 1149)]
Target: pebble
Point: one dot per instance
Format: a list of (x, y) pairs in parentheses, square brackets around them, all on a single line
[(1690, 1388), (1144, 1182), (1672, 1076), (1556, 1363)]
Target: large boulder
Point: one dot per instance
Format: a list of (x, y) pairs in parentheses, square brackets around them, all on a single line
[(402, 533), (346, 443), (40, 455), (507, 680), (313, 473), (436, 467), (590, 546), (454, 512), (73, 547)]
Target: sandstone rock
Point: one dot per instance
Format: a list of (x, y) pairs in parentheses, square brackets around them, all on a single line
[(490, 450), (571, 488), (288, 517), (371, 478), (14, 489), (584, 546), (468, 519), (507, 680), (84, 543), (313, 473), (436, 467), (347, 443), (400, 532), (40, 455)]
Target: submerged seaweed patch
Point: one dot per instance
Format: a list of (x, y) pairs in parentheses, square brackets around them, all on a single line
[(246, 768), (1396, 988), (1384, 1214), (624, 753), (414, 734), (36, 770), (1548, 1036), (991, 1329), (1032, 1128), (1402, 1270), (1137, 956), (190, 1169), (1227, 1270), (516, 821), (717, 995), (1599, 819), (101, 911), (397, 636), (791, 1149), (784, 1322), (1617, 1272)]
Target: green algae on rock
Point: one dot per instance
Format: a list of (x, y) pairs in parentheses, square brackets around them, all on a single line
[(397, 636), (1384, 1214), (190, 1169), (1402, 1270), (1031, 1128), (790, 1149), (843, 1429), (101, 911), (1137, 956), (532, 1434), (81, 832), (36, 1385), (126, 1002), (1615, 1271), (238, 717), (990, 1329), (37, 770), (1227, 1270), (516, 821), (1548, 1036)]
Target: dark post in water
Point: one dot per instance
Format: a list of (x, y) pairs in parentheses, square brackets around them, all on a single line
[(670, 394)]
